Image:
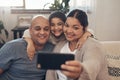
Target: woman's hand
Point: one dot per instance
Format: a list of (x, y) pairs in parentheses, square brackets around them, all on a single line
[(72, 69)]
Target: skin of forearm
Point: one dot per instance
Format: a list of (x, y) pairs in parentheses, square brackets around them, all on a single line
[(1, 71)]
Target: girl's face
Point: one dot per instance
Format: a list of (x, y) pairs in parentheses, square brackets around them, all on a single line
[(73, 29), (57, 27)]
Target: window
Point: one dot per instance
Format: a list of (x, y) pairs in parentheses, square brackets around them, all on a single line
[(85, 5), (32, 7), (38, 4), (27, 4), (6, 3), (44, 4)]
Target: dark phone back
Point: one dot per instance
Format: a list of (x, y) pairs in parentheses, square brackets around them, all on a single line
[(52, 60)]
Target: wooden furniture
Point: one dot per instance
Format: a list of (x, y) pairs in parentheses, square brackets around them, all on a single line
[(18, 31)]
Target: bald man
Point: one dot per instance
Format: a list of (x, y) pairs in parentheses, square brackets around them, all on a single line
[(14, 62)]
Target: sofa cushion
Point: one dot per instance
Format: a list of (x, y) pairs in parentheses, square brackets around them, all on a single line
[(112, 50)]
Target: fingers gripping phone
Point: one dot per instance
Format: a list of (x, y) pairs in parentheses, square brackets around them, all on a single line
[(46, 60)]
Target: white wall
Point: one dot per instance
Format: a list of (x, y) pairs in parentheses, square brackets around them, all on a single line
[(104, 20), (107, 20)]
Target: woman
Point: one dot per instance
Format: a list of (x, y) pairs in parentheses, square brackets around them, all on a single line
[(56, 20), (89, 63)]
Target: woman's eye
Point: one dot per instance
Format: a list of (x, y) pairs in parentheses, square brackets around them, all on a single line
[(76, 27)]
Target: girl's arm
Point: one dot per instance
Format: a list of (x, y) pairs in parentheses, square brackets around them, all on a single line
[(88, 33), (30, 46)]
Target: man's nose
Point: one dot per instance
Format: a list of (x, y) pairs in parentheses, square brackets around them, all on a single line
[(42, 32)]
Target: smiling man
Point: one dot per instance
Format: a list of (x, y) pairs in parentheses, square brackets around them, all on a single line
[(14, 62)]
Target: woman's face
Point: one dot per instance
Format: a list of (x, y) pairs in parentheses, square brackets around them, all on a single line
[(73, 29), (57, 27)]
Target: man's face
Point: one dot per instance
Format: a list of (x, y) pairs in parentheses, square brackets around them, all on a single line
[(40, 31)]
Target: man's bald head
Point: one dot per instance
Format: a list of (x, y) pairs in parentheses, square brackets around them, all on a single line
[(39, 19), (39, 30)]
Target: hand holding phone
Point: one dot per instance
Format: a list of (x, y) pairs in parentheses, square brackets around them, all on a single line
[(47, 60)]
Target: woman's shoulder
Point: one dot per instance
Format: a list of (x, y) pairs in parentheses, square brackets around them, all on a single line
[(92, 42)]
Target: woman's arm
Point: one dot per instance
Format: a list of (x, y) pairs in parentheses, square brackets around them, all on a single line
[(88, 33), (30, 46)]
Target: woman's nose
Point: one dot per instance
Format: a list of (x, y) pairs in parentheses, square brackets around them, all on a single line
[(69, 29)]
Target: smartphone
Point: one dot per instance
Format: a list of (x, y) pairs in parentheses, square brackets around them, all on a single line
[(46, 60)]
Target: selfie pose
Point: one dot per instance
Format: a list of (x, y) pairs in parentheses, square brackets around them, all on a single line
[(57, 21), (89, 63)]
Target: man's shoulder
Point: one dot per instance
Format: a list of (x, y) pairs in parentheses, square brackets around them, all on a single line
[(49, 44), (14, 45), (16, 42), (20, 40)]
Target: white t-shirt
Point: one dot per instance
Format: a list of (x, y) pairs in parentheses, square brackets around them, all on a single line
[(65, 49)]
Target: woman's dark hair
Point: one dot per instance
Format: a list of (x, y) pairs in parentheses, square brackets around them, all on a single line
[(59, 15), (81, 16)]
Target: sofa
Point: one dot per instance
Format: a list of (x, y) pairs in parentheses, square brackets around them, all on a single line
[(112, 50)]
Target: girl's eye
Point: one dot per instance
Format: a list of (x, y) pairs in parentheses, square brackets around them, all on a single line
[(60, 24)]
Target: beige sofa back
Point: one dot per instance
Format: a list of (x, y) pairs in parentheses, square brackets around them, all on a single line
[(112, 50)]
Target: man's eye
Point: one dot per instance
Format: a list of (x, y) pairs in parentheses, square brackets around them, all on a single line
[(46, 29), (37, 28)]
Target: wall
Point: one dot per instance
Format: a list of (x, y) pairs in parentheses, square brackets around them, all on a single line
[(107, 24), (104, 20)]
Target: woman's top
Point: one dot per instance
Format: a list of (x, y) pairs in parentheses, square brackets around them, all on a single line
[(91, 57)]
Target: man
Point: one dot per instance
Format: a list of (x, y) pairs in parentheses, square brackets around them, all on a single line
[(14, 62)]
